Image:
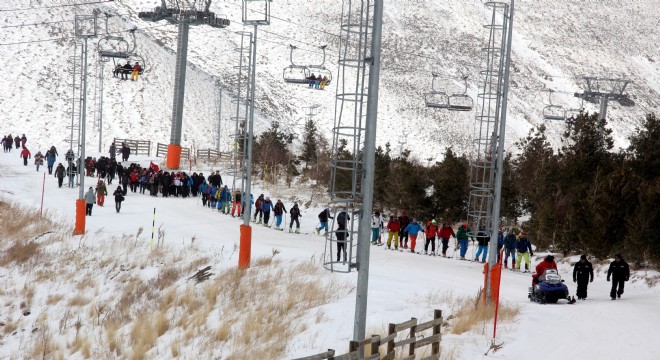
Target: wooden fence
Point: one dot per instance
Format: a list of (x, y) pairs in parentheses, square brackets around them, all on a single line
[(138, 147), (161, 151), (211, 155), (370, 347)]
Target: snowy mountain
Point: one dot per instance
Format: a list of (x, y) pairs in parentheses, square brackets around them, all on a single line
[(555, 44)]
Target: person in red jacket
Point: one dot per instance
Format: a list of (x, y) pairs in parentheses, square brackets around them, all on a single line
[(393, 226), (547, 263), (444, 233), (25, 154), (431, 230), (136, 71)]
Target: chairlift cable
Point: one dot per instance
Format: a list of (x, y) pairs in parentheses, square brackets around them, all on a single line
[(47, 23), (73, 37), (57, 6)]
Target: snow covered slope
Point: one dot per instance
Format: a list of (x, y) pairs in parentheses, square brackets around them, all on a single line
[(556, 43)]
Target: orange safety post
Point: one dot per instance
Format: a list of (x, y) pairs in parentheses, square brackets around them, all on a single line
[(495, 281), (81, 212), (245, 247), (173, 156)]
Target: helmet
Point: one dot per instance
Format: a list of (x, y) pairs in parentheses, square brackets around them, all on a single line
[(464, 226), (549, 258), (267, 197), (523, 233)]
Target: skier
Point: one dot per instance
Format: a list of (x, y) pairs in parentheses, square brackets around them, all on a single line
[(278, 210), (38, 159), (483, 238), (444, 234), (295, 215), (71, 173), (25, 154), (90, 199), (225, 198), (113, 151), (50, 160), (546, 264), (431, 230), (119, 197), (619, 271), (323, 219), (236, 205), (258, 210), (101, 192), (583, 274), (462, 237), (510, 249), (59, 174), (342, 220), (524, 249), (125, 152), (404, 220), (413, 229), (393, 226), (266, 206), (375, 228)]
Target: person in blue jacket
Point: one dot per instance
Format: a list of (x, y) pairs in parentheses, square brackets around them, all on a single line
[(225, 198), (266, 206), (413, 229), (524, 248), (50, 161), (510, 249), (203, 190)]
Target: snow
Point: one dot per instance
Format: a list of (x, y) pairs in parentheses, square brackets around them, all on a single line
[(401, 285)]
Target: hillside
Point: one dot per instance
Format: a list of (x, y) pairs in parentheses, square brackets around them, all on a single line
[(555, 44)]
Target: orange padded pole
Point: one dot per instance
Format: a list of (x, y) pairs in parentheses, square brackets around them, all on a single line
[(245, 247), (79, 228), (173, 156)]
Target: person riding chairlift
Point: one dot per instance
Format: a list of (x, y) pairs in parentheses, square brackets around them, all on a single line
[(136, 71)]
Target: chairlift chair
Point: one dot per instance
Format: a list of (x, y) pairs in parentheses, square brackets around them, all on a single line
[(295, 74), (321, 69), (553, 112), (461, 102), (436, 98)]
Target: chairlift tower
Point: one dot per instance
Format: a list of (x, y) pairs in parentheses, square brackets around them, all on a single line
[(85, 28), (219, 125), (185, 14), (602, 90), (255, 13), (242, 103), (354, 130), (76, 96), (486, 165), (98, 98)]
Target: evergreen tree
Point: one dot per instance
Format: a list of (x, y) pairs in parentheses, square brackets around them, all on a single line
[(309, 150)]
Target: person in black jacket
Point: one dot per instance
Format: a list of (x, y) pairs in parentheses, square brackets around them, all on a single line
[(323, 220), (620, 273), (119, 197), (341, 233), (295, 215), (583, 274)]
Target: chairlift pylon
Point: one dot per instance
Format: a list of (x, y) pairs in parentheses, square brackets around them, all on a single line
[(294, 73), (553, 112), (436, 98), (461, 102)]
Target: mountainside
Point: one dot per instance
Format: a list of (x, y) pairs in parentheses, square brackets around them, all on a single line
[(555, 44)]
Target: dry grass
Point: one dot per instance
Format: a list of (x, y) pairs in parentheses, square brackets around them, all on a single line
[(473, 312), (79, 300), (19, 252)]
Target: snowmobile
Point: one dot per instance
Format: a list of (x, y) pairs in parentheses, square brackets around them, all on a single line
[(550, 288)]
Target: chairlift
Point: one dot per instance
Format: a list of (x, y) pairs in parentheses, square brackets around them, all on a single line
[(295, 74), (553, 112), (321, 70), (436, 98), (461, 102), (573, 113)]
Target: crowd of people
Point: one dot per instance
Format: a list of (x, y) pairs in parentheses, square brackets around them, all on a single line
[(318, 81), (402, 230)]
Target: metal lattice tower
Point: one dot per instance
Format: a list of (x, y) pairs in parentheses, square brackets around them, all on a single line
[(354, 147), (242, 103), (347, 162), (602, 90), (219, 125), (76, 96), (489, 102)]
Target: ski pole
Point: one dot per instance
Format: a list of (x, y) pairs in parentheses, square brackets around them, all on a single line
[(153, 227)]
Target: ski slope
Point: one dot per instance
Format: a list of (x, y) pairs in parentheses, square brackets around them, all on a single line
[(401, 285)]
